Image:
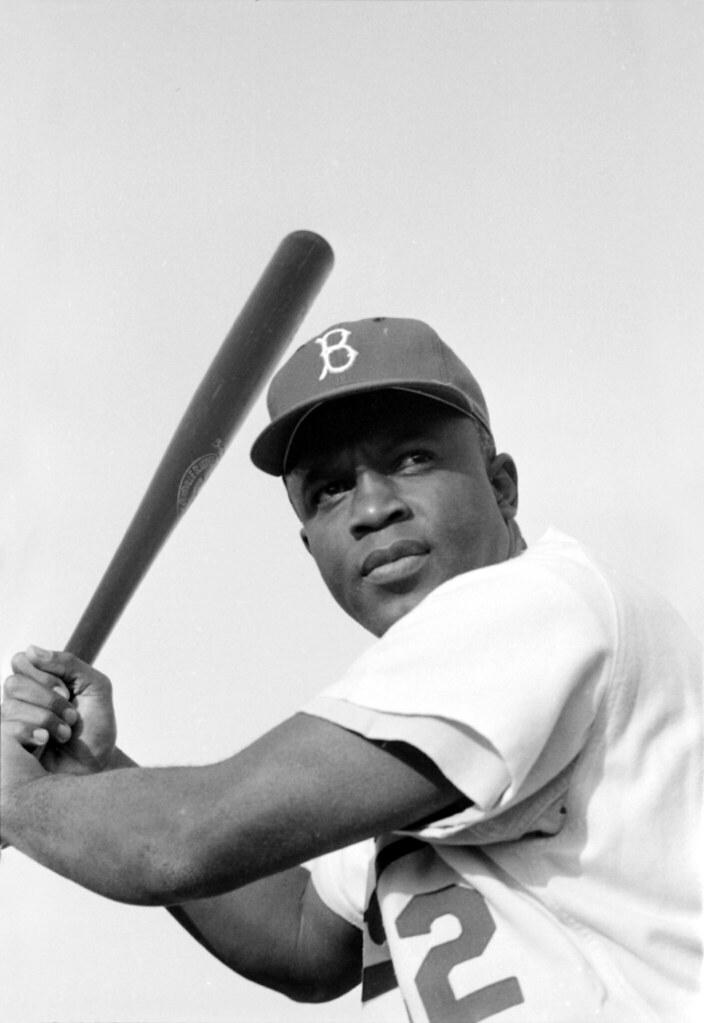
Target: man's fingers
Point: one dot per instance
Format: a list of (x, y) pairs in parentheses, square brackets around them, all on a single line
[(39, 737), (66, 668), (32, 718), (27, 733), (42, 694), (57, 662), (22, 665), (36, 706)]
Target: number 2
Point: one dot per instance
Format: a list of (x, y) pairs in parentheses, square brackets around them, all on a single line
[(432, 979)]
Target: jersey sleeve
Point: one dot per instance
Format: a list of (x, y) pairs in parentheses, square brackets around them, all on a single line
[(496, 676), (341, 879)]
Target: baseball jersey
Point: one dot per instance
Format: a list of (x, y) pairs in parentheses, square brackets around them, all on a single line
[(565, 703)]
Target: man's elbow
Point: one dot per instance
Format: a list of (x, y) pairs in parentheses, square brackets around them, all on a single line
[(317, 989), (163, 873), (327, 973), (307, 978)]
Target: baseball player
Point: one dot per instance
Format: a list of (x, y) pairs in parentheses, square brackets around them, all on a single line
[(499, 797)]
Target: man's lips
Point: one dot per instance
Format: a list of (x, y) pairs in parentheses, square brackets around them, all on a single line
[(394, 552)]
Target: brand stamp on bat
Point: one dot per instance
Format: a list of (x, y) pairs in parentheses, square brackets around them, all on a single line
[(193, 479)]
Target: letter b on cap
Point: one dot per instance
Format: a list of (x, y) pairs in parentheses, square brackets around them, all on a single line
[(347, 353)]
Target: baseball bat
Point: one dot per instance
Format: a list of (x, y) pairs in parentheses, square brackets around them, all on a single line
[(255, 342)]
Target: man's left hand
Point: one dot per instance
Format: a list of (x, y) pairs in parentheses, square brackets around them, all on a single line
[(55, 696)]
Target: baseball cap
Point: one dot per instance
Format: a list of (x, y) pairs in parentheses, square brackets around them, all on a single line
[(357, 357)]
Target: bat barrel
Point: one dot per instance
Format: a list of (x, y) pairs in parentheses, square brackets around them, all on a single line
[(237, 374)]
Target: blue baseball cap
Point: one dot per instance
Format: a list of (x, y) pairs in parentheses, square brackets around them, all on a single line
[(357, 357)]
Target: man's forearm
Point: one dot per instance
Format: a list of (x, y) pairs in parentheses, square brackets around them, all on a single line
[(132, 836), (160, 836)]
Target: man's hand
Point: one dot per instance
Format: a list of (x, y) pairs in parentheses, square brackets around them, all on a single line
[(18, 765), (57, 696)]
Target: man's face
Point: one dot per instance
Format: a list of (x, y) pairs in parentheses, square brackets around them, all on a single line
[(394, 498)]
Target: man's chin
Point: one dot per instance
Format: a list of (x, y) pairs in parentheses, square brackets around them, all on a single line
[(386, 613)]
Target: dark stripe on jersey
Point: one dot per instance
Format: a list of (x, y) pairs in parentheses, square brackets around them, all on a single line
[(394, 851), (377, 980), (385, 857), (373, 921), (447, 811)]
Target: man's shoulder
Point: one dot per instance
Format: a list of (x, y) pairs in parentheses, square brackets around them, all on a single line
[(551, 592), (554, 564)]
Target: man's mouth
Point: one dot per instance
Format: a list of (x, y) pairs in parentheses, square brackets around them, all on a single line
[(396, 561)]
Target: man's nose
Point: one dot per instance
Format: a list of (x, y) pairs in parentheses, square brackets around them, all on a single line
[(376, 503)]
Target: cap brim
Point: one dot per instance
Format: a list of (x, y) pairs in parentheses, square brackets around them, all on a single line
[(270, 449)]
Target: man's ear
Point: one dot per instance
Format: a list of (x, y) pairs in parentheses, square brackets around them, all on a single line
[(304, 540), (503, 477)]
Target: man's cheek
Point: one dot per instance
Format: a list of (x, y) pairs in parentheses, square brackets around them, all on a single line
[(333, 575)]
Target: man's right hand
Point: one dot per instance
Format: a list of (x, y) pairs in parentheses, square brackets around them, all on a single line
[(55, 696)]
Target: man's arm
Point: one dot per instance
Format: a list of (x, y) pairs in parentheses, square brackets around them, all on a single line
[(276, 932), (155, 836), (185, 833)]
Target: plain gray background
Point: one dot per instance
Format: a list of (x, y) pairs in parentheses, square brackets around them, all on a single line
[(524, 176)]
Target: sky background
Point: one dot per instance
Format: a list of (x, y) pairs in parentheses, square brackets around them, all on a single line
[(524, 176)]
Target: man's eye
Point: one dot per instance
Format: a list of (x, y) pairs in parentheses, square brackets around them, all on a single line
[(414, 460), (327, 492)]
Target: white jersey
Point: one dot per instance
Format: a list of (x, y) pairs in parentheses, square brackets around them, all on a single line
[(565, 703)]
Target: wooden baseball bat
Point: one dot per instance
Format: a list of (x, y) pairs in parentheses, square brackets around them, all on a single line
[(247, 356)]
